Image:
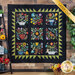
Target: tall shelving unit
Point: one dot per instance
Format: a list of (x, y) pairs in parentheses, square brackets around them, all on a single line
[(2, 22)]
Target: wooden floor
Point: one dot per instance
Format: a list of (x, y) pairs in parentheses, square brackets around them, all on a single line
[(29, 73)]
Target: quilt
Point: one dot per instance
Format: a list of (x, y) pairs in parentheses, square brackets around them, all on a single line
[(36, 34)]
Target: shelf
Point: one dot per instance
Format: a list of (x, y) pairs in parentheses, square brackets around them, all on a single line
[(2, 54), (4, 71), (3, 40)]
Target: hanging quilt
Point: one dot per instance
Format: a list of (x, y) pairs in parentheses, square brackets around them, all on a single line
[(37, 34)]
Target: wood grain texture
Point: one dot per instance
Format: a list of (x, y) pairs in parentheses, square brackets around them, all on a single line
[(29, 73)]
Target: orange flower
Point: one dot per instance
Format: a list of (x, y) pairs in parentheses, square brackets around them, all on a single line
[(51, 43), (37, 33)]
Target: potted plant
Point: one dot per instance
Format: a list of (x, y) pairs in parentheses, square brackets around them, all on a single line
[(3, 62), (71, 28)]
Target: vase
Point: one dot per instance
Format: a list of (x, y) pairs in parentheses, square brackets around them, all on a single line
[(51, 52), (51, 21), (20, 52), (22, 23)]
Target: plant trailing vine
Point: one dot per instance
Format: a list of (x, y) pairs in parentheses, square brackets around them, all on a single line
[(71, 28)]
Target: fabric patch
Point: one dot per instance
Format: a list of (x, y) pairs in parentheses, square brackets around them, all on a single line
[(37, 19), (22, 33), (51, 33), (22, 18), (36, 48), (51, 48), (51, 19), (22, 48), (36, 33)]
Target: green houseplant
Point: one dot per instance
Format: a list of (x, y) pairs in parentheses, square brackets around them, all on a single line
[(71, 28)]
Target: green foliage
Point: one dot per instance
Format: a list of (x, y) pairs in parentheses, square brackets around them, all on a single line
[(1, 11), (71, 28)]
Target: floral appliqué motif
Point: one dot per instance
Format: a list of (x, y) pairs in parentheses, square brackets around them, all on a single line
[(22, 33), (36, 19), (22, 48), (36, 48)]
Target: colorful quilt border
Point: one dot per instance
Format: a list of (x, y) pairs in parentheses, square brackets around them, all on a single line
[(39, 56)]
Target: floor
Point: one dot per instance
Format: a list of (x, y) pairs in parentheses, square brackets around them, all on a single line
[(29, 73)]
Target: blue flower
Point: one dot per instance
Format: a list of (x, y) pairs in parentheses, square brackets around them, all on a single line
[(33, 15), (32, 51)]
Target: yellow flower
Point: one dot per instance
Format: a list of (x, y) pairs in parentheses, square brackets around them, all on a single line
[(2, 37), (31, 21), (52, 67), (73, 67), (27, 53), (58, 65), (31, 18), (56, 14), (56, 18), (24, 44), (37, 43)]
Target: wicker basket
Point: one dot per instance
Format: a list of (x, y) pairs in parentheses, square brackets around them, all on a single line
[(61, 73)]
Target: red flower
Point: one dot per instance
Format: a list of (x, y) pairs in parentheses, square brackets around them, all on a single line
[(46, 33), (38, 23), (46, 29), (22, 36), (38, 28), (22, 13), (42, 34), (6, 61), (27, 32), (1, 60)]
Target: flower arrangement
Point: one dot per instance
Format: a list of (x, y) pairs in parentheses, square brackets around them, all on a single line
[(56, 67), (22, 48), (22, 18), (22, 33), (4, 61), (51, 18), (36, 19)]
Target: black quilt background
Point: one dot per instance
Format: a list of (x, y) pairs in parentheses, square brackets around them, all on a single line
[(36, 60)]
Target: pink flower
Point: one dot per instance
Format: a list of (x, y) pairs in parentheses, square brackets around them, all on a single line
[(40, 14), (1, 30)]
